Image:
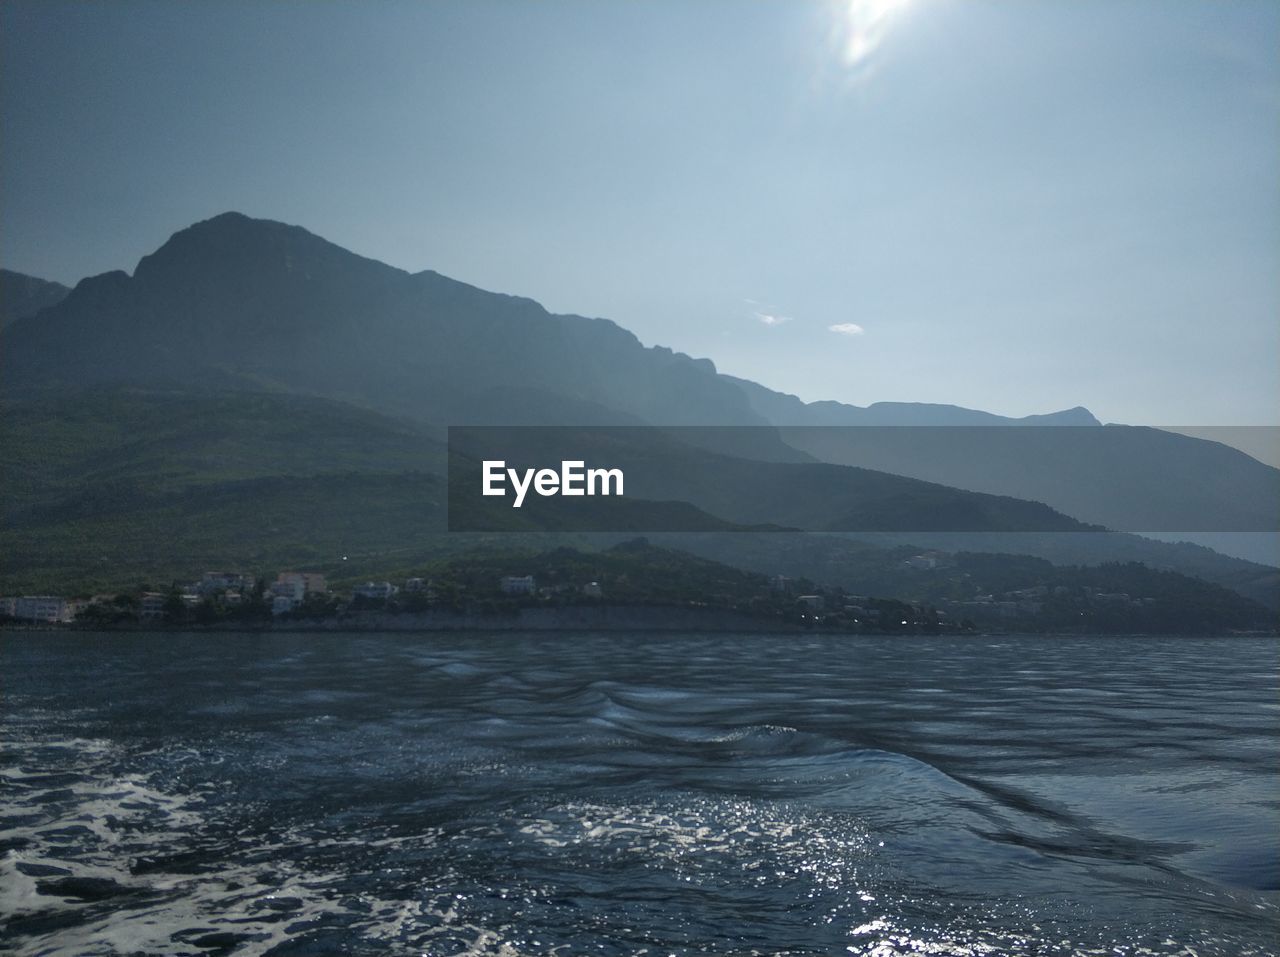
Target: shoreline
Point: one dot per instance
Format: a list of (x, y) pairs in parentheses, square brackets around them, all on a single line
[(576, 619)]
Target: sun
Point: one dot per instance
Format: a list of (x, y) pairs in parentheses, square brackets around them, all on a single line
[(862, 26)]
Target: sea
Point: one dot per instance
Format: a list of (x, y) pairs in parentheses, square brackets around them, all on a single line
[(626, 794)]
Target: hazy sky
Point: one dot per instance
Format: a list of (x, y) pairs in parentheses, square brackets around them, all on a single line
[(1011, 206)]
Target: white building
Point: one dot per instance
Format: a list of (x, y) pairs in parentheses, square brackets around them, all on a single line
[(311, 583), (293, 588), (42, 608), (517, 585), (152, 606), (283, 603), (376, 590)]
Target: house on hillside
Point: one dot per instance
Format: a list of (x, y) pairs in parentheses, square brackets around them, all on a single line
[(215, 583), (517, 584), (310, 583), (376, 590), (151, 606)]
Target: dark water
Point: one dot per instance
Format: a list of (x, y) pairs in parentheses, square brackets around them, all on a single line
[(179, 794)]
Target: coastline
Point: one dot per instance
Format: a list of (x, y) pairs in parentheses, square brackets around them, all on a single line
[(574, 619)]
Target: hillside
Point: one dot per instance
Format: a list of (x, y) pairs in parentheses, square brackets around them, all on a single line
[(667, 465), (780, 408), (1029, 593), (879, 562), (248, 304), (114, 484), (253, 393), (1126, 478), (22, 296), (121, 486), (251, 305)]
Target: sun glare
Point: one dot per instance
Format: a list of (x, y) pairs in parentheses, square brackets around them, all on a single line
[(863, 25)]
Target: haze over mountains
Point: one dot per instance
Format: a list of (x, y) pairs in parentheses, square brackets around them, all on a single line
[(248, 304), (22, 296), (234, 305), (780, 408), (243, 303)]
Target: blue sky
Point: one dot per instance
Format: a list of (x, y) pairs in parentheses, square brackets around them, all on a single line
[(1011, 206)]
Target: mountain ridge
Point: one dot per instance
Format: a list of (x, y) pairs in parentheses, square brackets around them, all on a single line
[(121, 485), (23, 296), (233, 246), (253, 305), (782, 408)]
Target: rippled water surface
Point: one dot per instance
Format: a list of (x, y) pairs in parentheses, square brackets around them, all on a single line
[(638, 794)]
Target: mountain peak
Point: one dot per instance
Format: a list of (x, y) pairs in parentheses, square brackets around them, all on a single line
[(230, 216), (234, 246), (1076, 415), (223, 228), (239, 225)]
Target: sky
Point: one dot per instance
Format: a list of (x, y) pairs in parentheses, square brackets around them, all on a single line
[(1017, 207)]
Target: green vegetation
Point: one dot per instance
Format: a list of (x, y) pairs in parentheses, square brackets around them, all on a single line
[(144, 443), (263, 399), (117, 486), (631, 572), (262, 523), (109, 487)]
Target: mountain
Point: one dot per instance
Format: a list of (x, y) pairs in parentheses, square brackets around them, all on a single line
[(780, 408), (355, 367), (120, 484), (22, 296), (661, 466), (1127, 478), (113, 486), (242, 303), (1123, 477), (858, 567), (1259, 582), (246, 304)]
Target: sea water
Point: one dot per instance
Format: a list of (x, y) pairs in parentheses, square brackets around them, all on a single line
[(628, 794)]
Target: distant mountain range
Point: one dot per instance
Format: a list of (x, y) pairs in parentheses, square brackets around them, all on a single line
[(1127, 478), (234, 306), (780, 408), (234, 302), (120, 485)]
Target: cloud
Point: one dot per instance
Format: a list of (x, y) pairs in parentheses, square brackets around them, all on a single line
[(771, 320), (847, 329)]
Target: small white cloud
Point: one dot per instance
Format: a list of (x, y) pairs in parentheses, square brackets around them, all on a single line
[(771, 320), (847, 329)]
